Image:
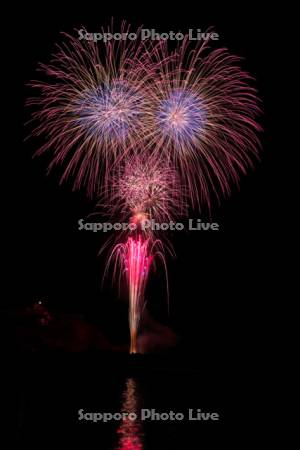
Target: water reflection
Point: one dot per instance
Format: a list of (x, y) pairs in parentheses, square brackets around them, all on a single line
[(130, 431)]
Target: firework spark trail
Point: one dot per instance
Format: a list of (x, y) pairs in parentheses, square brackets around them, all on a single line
[(134, 259)]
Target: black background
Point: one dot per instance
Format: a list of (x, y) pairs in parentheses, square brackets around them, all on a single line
[(223, 286)]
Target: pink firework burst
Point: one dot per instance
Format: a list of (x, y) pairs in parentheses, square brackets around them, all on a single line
[(203, 118), (145, 188)]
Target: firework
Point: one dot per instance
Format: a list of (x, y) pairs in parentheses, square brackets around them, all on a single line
[(194, 109), (203, 119), (90, 109), (145, 188)]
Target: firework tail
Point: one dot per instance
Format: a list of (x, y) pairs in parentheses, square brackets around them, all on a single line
[(134, 259), (137, 265)]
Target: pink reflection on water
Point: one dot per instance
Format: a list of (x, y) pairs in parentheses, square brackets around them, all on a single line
[(130, 431)]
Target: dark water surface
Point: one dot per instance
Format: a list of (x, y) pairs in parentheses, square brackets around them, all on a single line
[(51, 396)]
